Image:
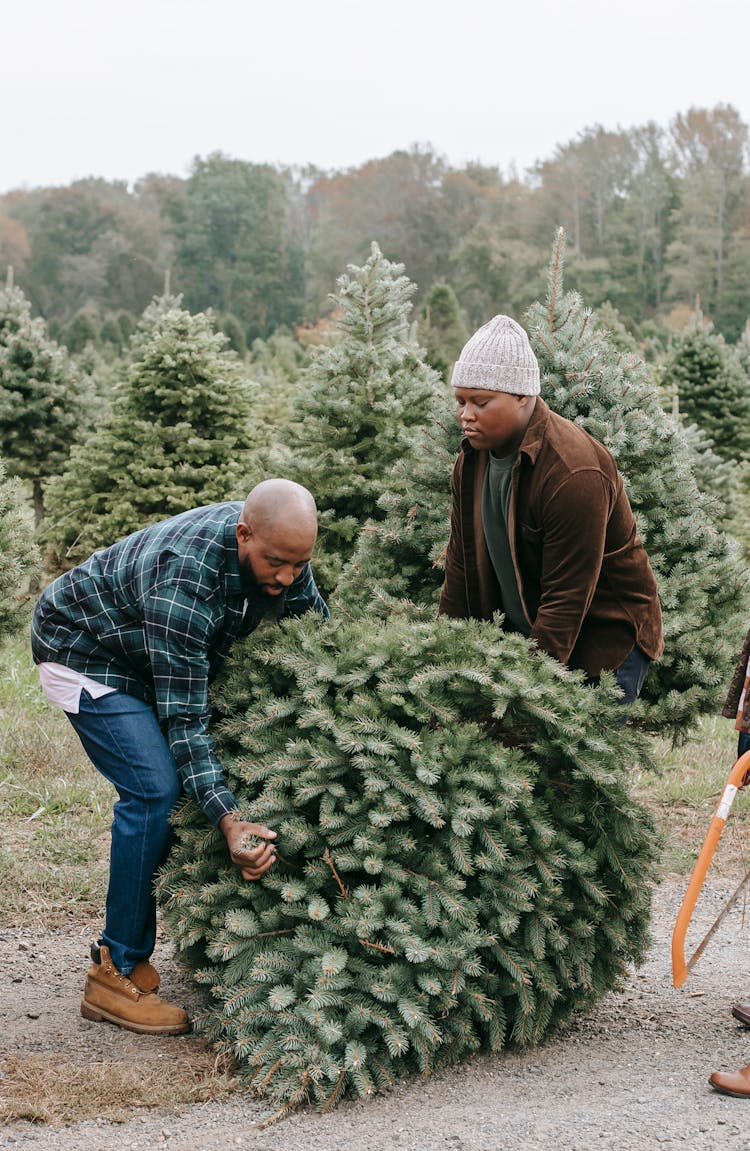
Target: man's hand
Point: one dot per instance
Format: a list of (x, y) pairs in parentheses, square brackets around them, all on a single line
[(252, 861)]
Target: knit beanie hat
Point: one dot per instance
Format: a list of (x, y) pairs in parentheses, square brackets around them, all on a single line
[(499, 358)]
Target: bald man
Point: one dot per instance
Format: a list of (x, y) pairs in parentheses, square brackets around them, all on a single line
[(127, 645)]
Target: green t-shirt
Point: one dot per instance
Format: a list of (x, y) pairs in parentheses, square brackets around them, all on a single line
[(495, 502)]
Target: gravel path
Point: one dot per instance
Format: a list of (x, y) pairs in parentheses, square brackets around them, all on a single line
[(632, 1076)]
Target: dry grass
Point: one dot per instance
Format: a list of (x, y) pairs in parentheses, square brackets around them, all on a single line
[(41, 1090)]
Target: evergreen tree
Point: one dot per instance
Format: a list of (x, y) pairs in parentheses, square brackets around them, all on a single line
[(18, 555), (279, 361), (127, 323), (111, 332), (178, 436), (402, 554), (232, 329), (734, 519), (716, 477), (277, 366), (608, 317), (356, 408), (713, 390), (41, 403), (700, 575), (82, 330), (460, 863), (442, 329), (742, 348)]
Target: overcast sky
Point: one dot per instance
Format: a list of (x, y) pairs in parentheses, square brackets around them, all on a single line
[(118, 90)]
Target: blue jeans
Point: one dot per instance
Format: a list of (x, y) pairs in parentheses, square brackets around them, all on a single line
[(743, 743), (122, 738), (631, 675)]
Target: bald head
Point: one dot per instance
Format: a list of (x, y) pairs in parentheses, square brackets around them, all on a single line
[(275, 502), (276, 533)]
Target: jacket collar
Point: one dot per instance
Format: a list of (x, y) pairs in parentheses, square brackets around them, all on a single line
[(533, 437), (531, 444)]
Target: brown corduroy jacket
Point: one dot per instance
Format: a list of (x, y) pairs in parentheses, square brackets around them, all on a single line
[(585, 580)]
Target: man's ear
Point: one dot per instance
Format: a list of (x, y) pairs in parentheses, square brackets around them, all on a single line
[(244, 532)]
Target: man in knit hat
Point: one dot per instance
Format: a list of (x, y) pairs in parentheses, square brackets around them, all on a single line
[(541, 527)]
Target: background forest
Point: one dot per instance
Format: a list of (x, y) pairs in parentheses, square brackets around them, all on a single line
[(655, 217), (657, 228)]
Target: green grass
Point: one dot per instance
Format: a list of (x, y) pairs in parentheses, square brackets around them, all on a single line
[(684, 792), (691, 773)]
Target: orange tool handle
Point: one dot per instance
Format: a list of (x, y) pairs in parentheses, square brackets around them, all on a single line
[(734, 780)]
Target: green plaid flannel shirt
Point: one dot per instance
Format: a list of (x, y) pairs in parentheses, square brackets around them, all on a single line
[(155, 615)]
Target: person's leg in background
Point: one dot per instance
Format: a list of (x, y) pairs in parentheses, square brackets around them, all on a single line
[(631, 675)]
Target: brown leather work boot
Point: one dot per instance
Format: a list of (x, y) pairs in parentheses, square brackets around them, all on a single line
[(110, 995), (144, 974), (732, 1083)]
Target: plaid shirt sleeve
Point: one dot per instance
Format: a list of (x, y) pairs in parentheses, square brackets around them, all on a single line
[(180, 629)]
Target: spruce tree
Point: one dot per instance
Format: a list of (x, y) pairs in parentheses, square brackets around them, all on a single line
[(277, 365), (41, 403), (702, 585), (111, 333), (402, 554), (442, 329), (82, 331), (742, 348), (460, 863), (19, 558), (712, 388), (716, 477), (356, 408), (178, 436), (234, 332)]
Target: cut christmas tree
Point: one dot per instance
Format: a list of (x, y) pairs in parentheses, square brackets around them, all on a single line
[(460, 863)]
